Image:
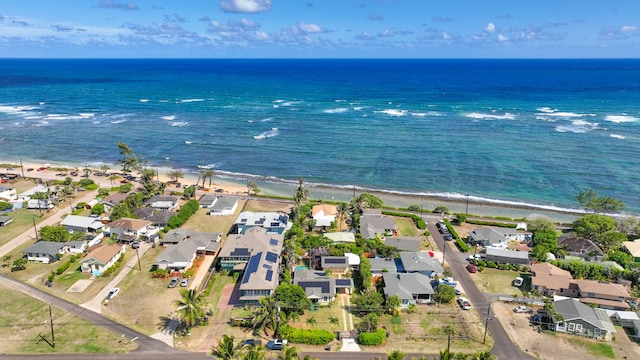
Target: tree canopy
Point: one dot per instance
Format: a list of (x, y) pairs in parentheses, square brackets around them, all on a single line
[(54, 233), (591, 226), (599, 204), (444, 294), (291, 298)]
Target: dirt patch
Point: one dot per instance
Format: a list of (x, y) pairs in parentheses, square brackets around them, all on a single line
[(554, 346), (80, 285), (266, 205)]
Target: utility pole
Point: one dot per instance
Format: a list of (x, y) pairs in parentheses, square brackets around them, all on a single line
[(138, 256), (466, 211), (21, 167), (35, 228), (486, 323)]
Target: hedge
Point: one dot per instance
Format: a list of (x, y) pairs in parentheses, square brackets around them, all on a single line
[(372, 338), (308, 336), (492, 223), (183, 214), (420, 224), (462, 245), (62, 268), (453, 231)]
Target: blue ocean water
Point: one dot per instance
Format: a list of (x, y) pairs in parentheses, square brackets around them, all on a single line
[(531, 131)]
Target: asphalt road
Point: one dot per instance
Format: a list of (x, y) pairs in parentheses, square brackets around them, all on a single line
[(503, 348)]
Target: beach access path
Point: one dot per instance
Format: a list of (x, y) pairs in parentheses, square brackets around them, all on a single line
[(51, 220)]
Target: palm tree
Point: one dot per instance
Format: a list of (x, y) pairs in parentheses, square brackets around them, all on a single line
[(209, 173), (334, 321), (300, 196), (227, 349), (104, 168), (312, 321), (288, 353), (174, 175), (252, 186), (396, 355), (267, 316), (343, 213), (191, 306), (255, 353)]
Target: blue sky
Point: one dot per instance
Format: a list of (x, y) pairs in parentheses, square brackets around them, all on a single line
[(320, 28)]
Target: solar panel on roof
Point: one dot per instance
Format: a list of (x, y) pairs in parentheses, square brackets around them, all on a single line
[(267, 266), (335, 260), (273, 242), (240, 252), (275, 224), (271, 257), (252, 267), (243, 220), (269, 275), (343, 282)]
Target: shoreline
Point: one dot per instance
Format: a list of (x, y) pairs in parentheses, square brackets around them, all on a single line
[(235, 184)]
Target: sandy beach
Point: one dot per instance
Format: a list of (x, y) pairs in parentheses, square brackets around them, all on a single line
[(475, 206)]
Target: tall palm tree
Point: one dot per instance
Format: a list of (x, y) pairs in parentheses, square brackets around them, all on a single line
[(288, 353), (334, 321), (255, 353), (104, 168), (300, 196), (343, 213), (208, 174), (174, 175), (191, 306), (227, 349), (267, 316)]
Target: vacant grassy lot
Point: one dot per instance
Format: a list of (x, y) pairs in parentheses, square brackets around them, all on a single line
[(22, 221), (496, 281), (202, 222), (24, 318), (406, 226)]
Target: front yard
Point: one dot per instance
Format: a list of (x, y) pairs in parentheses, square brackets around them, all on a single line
[(496, 281)]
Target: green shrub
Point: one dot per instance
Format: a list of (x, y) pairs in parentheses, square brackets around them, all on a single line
[(73, 258), (491, 264), (491, 223), (308, 336), (91, 187), (504, 266), (62, 268), (453, 231), (76, 211), (462, 245), (427, 233), (372, 338)]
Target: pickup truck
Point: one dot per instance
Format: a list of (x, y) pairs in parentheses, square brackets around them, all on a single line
[(276, 344)]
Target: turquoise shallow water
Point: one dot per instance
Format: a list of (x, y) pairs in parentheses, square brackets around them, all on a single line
[(516, 131)]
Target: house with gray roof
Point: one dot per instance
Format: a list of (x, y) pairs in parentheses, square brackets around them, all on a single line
[(272, 222), (5, 220), (183, 248), (261, 275), (411, 288), (497, 236), (506, 256), (404, 243), (112, 200), (207, 200), (583, 320), (224, 206), (580, 247), (162, 202), (321, 289), (238, 248), (337, 264), (384, 265), (45, 251), (161, 218), (420, 262), (373, 224), (84, 224)]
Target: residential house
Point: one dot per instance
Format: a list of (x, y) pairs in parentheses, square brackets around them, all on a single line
[(161, 218), (261, 275), (224, 206), (411, 288), (633, 247), (45, 251), (238, 248), (497, 236), (112, 200), (342, 237), (337, 264), (101, 257), (319, 288), (185, 246), (324, 215), (580, 247), (7, 194), (583, 320), (79, 223), (354, 260), (550, 280), (207, 200), (629, 320), (380, 266), (41, 204), (603, 294), (373, 224), (77, 246), (315, 257), (5, 220), (128, 230), (404, 243), (420, 262), (162, 203), (26, 195), (272, 222), (506, 256)]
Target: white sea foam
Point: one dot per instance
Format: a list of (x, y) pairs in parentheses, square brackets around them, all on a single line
[(336, 111), (144, 100), (118, 121), (168, 117), (616, 136), (578, 127), (482, 116), (546, 110), (163, 100), (95, 122), (188, 142), (393, 112), (419, 114), (191, 100), (10, 109), (358, 108), (179, 123), (40, 124), (208, 166), (267, 134), (621, 118), (87, 115), (278, 101)]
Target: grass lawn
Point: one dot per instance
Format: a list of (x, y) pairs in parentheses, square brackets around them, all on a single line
[(406, 226), (599, 349), (22, 221), (202, 222), (496, 281), (24, 318)]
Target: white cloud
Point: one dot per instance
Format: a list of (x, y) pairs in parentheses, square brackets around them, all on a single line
[(491, 27), (629, 28), (245, 6), (502, 38), (311, 28)]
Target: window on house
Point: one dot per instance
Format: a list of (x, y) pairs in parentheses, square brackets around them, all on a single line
[(578, 327), (571, 327), (596, 331)]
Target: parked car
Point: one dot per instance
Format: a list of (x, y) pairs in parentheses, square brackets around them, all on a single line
[(464, 303), (474, 257), (135, 244), (251, 342), (174, 282), (42, 168), (517, 282), (523, 309), (113, 293), (276, 344), (472, 268), (30, 169), (184, 282)]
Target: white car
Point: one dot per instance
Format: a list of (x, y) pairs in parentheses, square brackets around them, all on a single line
[(113, 293), (464, 303), (523, 309), (474, 257)]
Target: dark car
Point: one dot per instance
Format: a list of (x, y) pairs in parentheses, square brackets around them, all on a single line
[(174, 282), (277, 344), (135, 244), (472, 269), (251, 342)]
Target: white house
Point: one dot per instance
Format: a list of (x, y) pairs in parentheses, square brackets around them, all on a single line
[(163, 203), (26, 195), (46, 251), (131, 229), (7, 194), (224, 205), (42, 204), (100, 258), (324, 215), (81, 223)]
